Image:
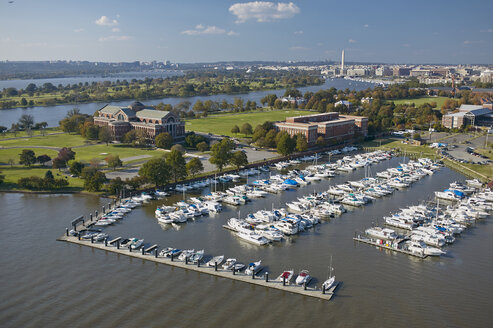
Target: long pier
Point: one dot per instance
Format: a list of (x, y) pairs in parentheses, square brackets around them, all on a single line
[(264, 281), (395, 249)]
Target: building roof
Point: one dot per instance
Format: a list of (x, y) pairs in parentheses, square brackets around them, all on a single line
[(468, 108), (151, 113), (458, 114), (479, 112), (110, 109), (128, 112)]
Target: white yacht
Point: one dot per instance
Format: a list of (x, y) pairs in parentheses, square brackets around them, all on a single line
[(216, 259), (303, 278), (253, 237), (381, 233)]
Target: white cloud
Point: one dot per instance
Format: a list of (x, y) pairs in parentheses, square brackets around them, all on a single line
[(298, 48), (263, 11), (115, 38), (472, 42), (105, 21), (6, 39), (489, 30), (406, 45), (78, 30), (115, 29), (366, 26), (320, 44), (351, 41), (201, 29), (298, 32), (34, 44)]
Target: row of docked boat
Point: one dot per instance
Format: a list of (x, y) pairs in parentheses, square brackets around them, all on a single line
[(117, 213), (429, 228)]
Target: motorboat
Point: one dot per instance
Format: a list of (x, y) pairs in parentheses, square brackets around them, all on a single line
[(381, 233), (286, 276), (420, 248), (216, 259), (197, 256), (303, 278), (253, 237), (186, 254), (253, 267), (136, 243), (228, 265)]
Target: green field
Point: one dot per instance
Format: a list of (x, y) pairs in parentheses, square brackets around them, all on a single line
[(420, 101), (223, 123), (101, 151), (12, 175), (13, 153)]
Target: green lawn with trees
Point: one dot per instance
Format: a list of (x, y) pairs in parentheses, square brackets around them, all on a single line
[(421, 100), (222, 124)]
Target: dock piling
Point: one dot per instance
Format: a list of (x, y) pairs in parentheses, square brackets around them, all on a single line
[(92, 239), (198, 264), (215, 266), (234, 270), (323, 289), (106, 242), (253, 273), (90, 217), (96, 215), (172, 256), (130, 248), (66, 232), (283, 281), (304, 285), (103, 210), (155, 252), (143, 251), (118, 244), (267, 277), (186, 259)]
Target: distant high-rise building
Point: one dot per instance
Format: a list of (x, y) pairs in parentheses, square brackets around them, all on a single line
[(342, 62)]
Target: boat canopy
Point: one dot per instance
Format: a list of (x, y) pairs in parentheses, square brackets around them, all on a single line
[(456, 192), (290, 182)]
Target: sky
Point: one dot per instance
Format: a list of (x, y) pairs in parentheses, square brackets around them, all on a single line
[(397, 31)]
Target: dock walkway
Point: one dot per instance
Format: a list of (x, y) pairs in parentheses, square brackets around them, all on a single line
[(238, 276), (395, 249)]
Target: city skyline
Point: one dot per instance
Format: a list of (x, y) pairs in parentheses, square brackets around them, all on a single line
[(384, 32)]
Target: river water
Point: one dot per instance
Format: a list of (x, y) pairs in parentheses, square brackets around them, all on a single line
[(53, 114), (46, 283)]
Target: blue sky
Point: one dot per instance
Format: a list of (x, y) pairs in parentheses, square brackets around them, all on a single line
[(432, 31)]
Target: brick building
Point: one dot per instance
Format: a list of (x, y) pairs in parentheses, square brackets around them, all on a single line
[(331, 126), (121, 120)]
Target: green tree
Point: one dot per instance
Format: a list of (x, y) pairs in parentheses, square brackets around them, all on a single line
[(2, 178), (113, 161), (239, 159), (246, 129), (177, 165), (156, 171), (235, 129), (195, 166), (26, 121), (93, 179), (164, 140), (202, 146), (115, 186), (41, 159), (49, 175), (221, 153), (57, 163), (285, 144), (65, 154), (320, 141), (105, 135), (129, 137), (27, 157), (75, 167), (301, 143)]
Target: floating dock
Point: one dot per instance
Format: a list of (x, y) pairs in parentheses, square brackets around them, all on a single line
[(150, 254), (395, 249), (265, 280)]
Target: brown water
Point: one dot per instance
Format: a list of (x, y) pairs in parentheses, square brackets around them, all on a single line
[(45, 283)]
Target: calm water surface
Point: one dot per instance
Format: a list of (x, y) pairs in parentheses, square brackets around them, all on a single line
[(53, 114), (46, 283)]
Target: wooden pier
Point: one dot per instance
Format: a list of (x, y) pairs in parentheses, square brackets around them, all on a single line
[(264, 281), (395, 249)]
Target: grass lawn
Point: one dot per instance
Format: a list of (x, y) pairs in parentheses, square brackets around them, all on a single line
[(12, 175), (24, 133), (421, 100), (58, 140), (85, 154), (223, 123), (6, 154)]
